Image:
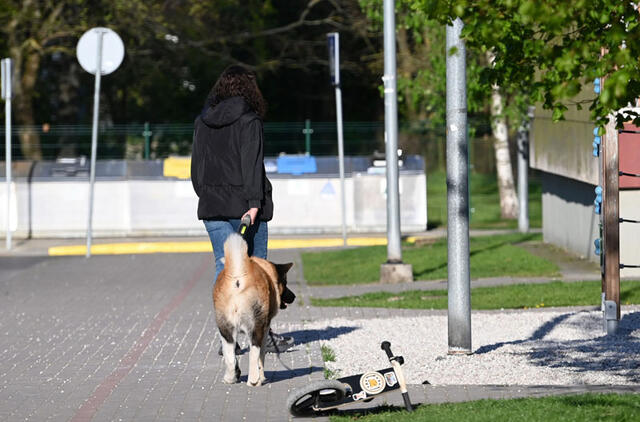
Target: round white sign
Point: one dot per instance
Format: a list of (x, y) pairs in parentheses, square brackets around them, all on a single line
[(112, 50)]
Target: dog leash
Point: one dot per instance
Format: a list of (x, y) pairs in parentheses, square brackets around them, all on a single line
[(278, 351)]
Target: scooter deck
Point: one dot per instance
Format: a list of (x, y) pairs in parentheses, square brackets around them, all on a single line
[(364, 387)]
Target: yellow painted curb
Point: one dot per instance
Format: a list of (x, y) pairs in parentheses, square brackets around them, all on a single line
[(192, 247), (132, 248)]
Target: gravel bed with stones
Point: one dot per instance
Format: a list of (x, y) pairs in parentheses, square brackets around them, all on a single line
[(550, 347)]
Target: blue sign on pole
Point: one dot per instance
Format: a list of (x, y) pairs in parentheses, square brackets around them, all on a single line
[(333, 42)]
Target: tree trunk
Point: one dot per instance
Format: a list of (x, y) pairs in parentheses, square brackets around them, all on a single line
[(506, 185), (26, 77), (406, 69)]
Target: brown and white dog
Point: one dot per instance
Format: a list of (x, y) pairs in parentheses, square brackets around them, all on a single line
[(247, 295)]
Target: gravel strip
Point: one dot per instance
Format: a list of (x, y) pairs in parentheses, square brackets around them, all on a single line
[(551, 347)]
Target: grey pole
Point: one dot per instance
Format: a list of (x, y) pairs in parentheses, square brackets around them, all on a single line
[(341, 160), (459, 283), (394, 251), (523, 173), (94, 138), (6, 85), (333, 40), (393, 270)]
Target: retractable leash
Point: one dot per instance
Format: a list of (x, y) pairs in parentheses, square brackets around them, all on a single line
[(323, 395), (244, 225)]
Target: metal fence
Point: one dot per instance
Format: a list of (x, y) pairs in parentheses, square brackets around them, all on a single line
[(156, 141)]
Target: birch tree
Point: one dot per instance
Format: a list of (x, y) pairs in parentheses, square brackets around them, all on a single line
[(504, 169)]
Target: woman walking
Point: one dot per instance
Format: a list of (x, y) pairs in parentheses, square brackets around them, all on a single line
[(227, 169)]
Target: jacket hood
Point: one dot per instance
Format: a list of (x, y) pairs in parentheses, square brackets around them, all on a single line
[(225, 112)]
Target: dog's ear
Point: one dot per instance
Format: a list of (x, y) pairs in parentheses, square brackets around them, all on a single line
[(282, 269)]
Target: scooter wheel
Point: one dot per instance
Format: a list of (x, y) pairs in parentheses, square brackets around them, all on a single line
[(300, 401)]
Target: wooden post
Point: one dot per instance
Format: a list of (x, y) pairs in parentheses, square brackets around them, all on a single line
[(611, 226)]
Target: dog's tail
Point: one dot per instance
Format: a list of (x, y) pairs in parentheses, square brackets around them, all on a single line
[(235, 255)]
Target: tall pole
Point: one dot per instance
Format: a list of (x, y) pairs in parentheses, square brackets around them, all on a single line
[(307, 131), (394, 251), (333, 40), (94, 138), (6, 85), (341, 159), (459, 283), (147, 136), (611, 235)]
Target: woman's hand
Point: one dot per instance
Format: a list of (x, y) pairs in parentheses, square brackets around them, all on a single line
[(253, 212)]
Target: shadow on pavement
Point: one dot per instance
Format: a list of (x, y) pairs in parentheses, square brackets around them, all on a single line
[(311, 335), (286, 374), (615, 355), (374, 409)]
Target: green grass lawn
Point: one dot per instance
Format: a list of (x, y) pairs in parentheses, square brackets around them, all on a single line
[(485, 202), (490, 256), (578, 408), (517, 296)]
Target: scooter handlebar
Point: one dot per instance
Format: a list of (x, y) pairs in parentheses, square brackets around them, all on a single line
[(386, 346)]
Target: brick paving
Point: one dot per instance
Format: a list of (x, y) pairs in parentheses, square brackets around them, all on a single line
[(133, 337)]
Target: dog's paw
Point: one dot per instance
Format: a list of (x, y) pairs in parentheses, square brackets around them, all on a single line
[(233, 377), (230, 380), (256, 384)]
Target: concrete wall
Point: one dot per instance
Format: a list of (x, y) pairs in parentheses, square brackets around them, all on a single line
[(168, 207)]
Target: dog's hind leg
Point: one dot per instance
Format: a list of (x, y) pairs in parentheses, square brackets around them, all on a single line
[(232, 368), (256, 355), (263, 351)]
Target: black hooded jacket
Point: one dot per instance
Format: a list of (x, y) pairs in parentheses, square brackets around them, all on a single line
[(227, 162)]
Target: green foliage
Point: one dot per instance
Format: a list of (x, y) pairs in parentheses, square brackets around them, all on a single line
[(552, 49), (328, 355), (176, 50), (422, 63)]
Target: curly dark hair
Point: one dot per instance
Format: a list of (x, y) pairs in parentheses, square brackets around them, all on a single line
[(238, 81)]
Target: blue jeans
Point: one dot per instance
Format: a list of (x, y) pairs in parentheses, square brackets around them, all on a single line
[(256, 237)]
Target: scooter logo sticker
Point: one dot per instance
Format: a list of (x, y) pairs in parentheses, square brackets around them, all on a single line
[(359, 396), (391, 379), (372, 382)]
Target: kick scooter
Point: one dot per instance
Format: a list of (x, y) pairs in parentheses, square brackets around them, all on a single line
[(323, 395)]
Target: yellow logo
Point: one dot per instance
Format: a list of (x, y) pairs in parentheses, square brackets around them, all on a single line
[(372, 382)]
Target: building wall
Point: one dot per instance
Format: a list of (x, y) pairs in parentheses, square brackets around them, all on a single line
[(569, 220), (630, 232)]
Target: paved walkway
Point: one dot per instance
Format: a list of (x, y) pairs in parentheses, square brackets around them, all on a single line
[(133, 337)]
